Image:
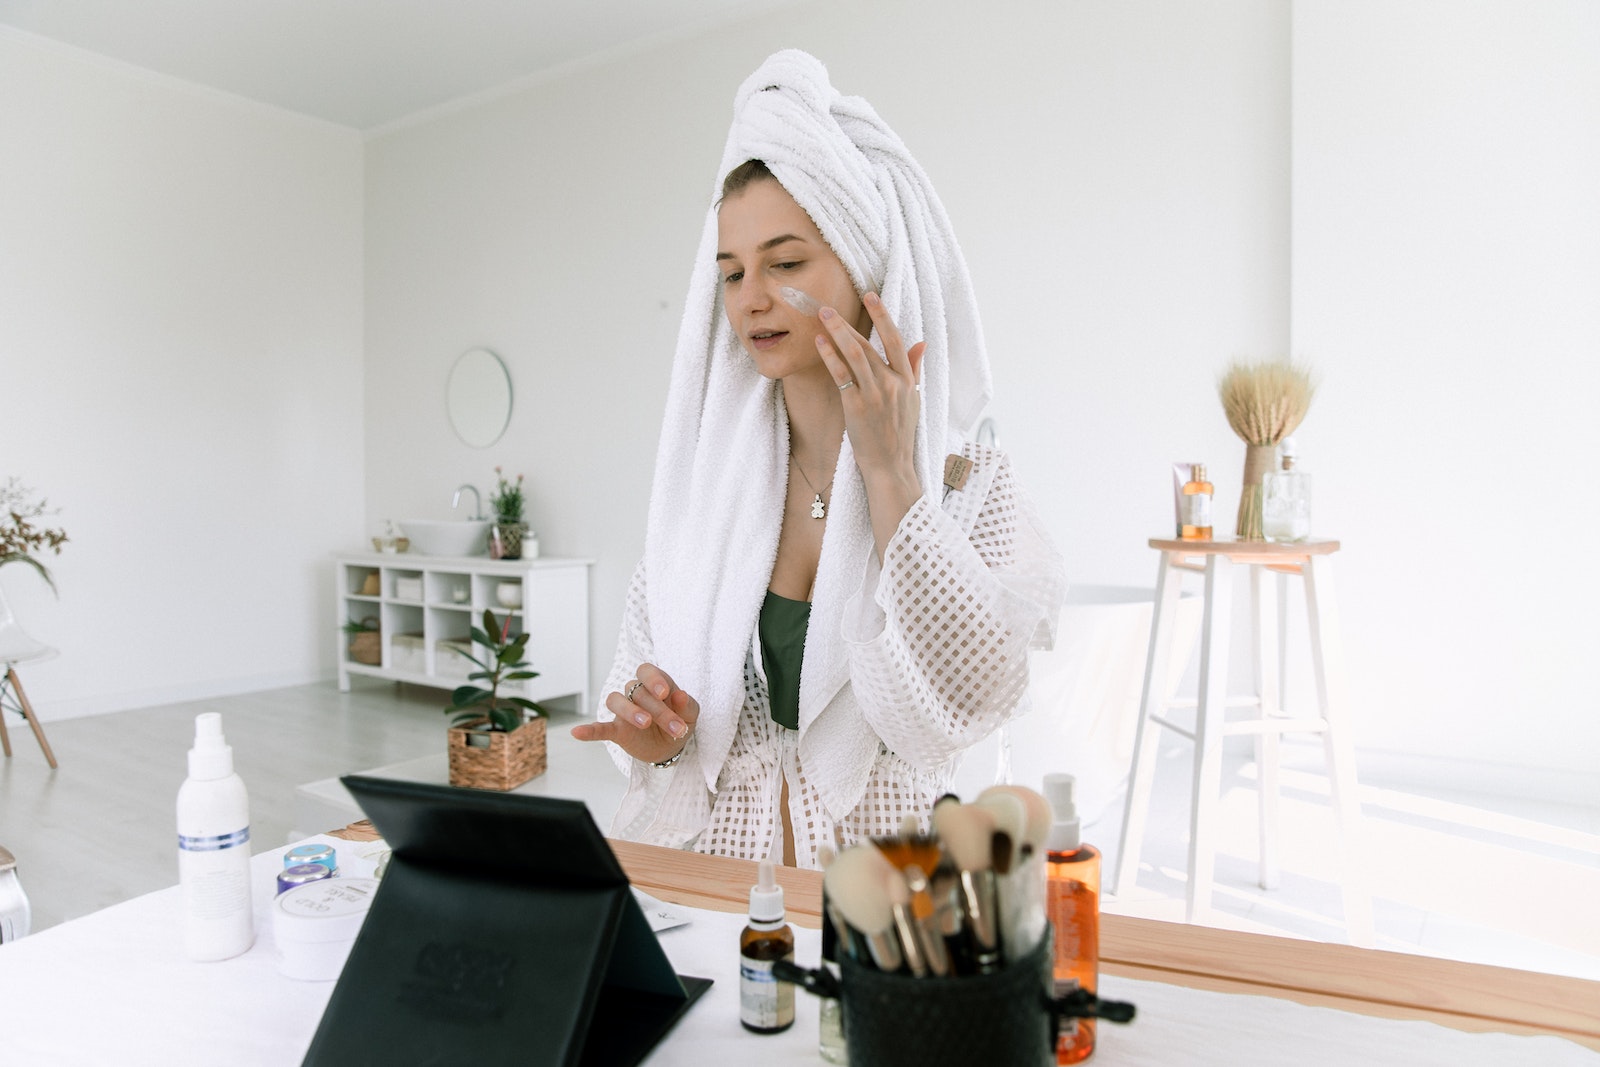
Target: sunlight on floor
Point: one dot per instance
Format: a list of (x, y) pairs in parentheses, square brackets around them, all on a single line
[(1447, 878)]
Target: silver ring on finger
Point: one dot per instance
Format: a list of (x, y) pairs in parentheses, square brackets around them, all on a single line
[(848, 383), (632, 687)]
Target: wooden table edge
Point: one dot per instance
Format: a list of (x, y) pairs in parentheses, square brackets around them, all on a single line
[(1393, 985)]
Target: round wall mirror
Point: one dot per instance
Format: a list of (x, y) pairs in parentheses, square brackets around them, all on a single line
[(479, 397)]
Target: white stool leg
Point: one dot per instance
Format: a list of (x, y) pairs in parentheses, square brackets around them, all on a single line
[(1147, 735), (1265, 637), (1327, 660), (1208, 722)]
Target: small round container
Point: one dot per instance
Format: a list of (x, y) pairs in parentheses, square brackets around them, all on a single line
[(323, 854), (315, 925), (509, 594), (301, 874)]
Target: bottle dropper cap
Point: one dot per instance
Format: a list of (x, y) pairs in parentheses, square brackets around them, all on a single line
[(210, 758), (766, 898), (1064, 831)]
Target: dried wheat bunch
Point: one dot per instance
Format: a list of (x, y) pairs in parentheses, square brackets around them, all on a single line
[(1264, 403)]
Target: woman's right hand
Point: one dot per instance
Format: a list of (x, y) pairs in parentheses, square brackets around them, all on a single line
[(654, 726)]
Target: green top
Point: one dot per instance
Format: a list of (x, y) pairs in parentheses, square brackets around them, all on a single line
[(783, 646)]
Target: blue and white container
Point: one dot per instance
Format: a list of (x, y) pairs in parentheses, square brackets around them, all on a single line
[(312, 853)]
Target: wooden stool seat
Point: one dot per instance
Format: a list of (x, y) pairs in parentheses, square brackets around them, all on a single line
[(1312, 561)]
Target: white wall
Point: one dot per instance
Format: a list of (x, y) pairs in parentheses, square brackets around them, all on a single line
[(1447, 281), (180, 365)]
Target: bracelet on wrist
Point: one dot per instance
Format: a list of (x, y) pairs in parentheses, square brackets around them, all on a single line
[(670, 760)]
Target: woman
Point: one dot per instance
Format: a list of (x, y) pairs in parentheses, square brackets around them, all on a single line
[(828, 613)]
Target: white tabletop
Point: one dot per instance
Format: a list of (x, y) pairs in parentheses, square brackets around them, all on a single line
[(114, 988)]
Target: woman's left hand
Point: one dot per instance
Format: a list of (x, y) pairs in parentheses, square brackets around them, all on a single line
[(881, 408)]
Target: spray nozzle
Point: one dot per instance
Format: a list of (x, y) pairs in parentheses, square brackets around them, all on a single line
[(210, 757), (1064, 830)]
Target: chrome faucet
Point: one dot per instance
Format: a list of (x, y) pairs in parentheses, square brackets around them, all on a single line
[(477, 507)]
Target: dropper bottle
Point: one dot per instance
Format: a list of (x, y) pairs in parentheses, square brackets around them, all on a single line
[(766, 1005), (1072, 898)]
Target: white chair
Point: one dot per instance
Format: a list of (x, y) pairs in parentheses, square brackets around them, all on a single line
[(16, 646), (15, 914)]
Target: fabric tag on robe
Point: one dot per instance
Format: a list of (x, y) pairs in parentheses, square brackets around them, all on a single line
[(956, 470)]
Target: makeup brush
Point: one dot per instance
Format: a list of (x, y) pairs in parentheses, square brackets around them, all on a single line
[(854, 884), (968, 836), (1039, 815), (1019, 873), (1010, 827), (927, 921), (899, 894), (837, 936)]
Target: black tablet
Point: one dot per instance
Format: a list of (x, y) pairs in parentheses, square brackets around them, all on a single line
[(503, 931)]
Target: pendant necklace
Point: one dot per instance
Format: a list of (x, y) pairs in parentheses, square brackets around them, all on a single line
[(819, 509)]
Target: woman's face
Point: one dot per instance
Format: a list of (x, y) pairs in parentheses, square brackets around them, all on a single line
[(766, 241)]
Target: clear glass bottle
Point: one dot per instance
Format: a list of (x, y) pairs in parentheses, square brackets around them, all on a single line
[(1286, 499), (1072, 898), (1197, 493)]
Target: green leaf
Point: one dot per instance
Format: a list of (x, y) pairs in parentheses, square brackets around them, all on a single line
[(482, 638), (468, 696), (519, 676), (522, 702)]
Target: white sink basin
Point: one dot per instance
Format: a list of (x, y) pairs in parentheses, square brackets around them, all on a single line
[(448, 537)]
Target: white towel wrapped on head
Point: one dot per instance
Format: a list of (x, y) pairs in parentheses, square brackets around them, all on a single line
[(721, 473)]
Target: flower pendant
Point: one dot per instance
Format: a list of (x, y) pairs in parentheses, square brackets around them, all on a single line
[(818, 509)]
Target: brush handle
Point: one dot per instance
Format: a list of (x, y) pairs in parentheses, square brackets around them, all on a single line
[(979, 900), (910, 940), (884, 949)]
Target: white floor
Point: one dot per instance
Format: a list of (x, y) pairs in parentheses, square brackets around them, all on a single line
[(1488, 879)]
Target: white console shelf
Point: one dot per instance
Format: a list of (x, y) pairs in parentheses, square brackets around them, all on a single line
[(426, 605)]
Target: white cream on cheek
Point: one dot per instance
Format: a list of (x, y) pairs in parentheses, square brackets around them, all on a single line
[(801, 302)]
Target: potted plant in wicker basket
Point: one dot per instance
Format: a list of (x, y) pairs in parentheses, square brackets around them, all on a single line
[(510, 526), (496, 741)]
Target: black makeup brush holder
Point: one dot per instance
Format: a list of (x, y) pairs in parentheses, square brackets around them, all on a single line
[(1008, 1017)]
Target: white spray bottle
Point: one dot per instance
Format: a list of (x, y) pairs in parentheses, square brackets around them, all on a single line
[(214, 849)]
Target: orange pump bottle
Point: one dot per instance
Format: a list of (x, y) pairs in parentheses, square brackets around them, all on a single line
[(1072, 897)]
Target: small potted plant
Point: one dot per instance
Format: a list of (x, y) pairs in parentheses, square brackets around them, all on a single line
[(496, 741), (510, 525)]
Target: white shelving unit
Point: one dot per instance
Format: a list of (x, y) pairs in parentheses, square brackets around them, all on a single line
[(424, 604)]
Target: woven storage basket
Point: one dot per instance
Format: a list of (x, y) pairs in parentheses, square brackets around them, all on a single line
[(367, 646), (508, 760)]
